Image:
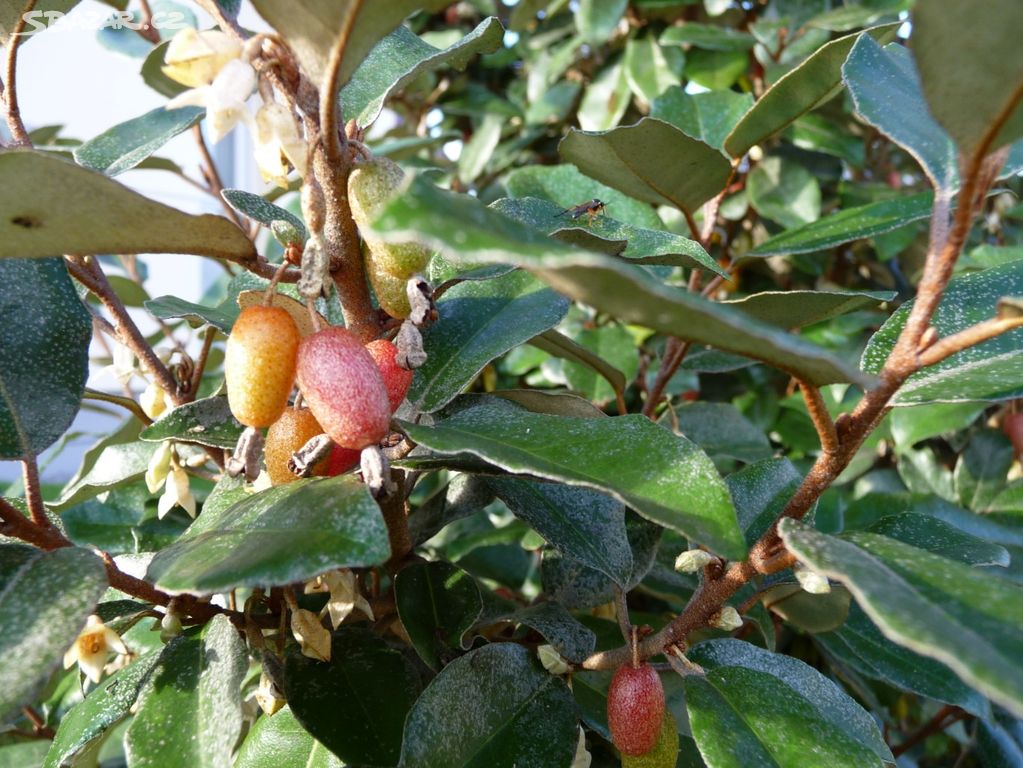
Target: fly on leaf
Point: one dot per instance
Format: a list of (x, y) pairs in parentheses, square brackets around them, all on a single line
[(589, 209)]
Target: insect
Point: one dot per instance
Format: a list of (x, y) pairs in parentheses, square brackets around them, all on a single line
[(589, 209)]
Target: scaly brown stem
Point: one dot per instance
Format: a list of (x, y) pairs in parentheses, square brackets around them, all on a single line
[(820, 417), (969, 337), (14, 121), (33, 493), (334, 141)]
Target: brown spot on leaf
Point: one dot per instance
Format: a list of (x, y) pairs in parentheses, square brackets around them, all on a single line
[(27, 221)]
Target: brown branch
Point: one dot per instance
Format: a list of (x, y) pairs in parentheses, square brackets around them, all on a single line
[(33, 492), (945, 718), (14, 121), (334, 141), (969, 337), (212, 176), (675, 352), (200, 366), (148, 31), (820, 417)]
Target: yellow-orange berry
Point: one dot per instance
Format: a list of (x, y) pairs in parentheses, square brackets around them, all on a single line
[(259, 365), (291, 431), (389, 290), (343, 388)]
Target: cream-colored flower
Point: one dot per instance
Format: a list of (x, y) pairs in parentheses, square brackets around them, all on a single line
[(195, 58), (311, 634), (552, 661), (344, 595), (278, 145), (153, 401), (727, 619), (582, 758), (224, 99), (693, 560), (811, 581), (159, 467), (122, 366), (268, 696), (93, 647), (176, 493)]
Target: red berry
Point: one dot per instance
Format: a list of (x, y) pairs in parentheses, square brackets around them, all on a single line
[(343, 388), (396, 379), (635, 708), (1012, 425), (341, 460)]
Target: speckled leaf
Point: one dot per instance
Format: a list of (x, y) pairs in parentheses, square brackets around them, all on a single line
[(675, 485), (784, 191), (191, 706), (928, 604), (757, 708), (312, 27), (115, 466), (480, 320), (652, 161), (495, 707), (101, 710), (886, 92), (37, 632), (604, 234), (849, 224), (585, 525), (720, 430), (221, 317), (49, 206), (355, 705), (860, 645), (794, 309), (124, 146), (707, 116), (911, 425), (992, 370), (400, 57), (971, 67), (260, 209), (207, 422), (286, 534), (800, 90), (280, 741), (583, 365), (45, 332), (760, 492), (464, 229), (565, 186), (935, 535), (571, 639), (437, 604)]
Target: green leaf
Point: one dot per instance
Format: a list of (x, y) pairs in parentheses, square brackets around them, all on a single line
[(605, 234), (88, 721), (911, 425), (400, 57), (49, 206), (972, 70), (616, 347), (982, 468), (45, 332), (124, 146), (886, 92), (849, 224), (221, 317), (483, 235), (596, 19), (582, 365), (283, 535), (191, 706), (800, 90), (437, 604), (776, 711), (859, 645), (11, 12), (785, 192), (153, 76), (605, 100), (116, 465), (571, 639), (716, 70), (708, 36), (259, 209), (480, 321), (312, 28), (720, 430), (652, 161), (708, 116), (992, 370), (760, 492), (37, 632), (928, 604), (280, 741), (794, 309), (494, 707), (565, 186), (807, 612), (647, 70), (941, 538), (675, 485), (355, 705), (582, 524), (121, 524), (206, 422), (999, 741)]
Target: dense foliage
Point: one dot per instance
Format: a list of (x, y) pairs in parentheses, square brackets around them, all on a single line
[(673, 343)]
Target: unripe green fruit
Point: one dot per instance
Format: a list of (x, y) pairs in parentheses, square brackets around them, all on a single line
[(396, 379), (370, 185), (343, 388), (259, 365), (665, 751), (635, 708), (341, 460), (390, 290), (291, 431)]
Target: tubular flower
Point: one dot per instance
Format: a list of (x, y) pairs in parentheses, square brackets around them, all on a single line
[(195, 58), (224, 99), (93, 647), (278, 145), (344, 595)]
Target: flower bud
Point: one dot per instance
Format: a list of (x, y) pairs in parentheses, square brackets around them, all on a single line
[(727, 619), (811, 581), (552, 660), (194, 58), (693, 561)]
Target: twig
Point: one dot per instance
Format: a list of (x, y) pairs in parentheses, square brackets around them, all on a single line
[(39, 727), (33, 493), (969, 337), (212, 176), (147, 30), (675, 352), (946, 717), (334, 141), (207, 344), (14, 121), (820, 417)]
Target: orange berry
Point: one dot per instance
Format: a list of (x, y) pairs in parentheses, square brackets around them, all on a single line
[(260, 365), (343, 388), (291, 431), (396, 379), (635, 708)]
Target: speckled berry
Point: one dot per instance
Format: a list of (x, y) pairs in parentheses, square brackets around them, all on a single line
[(341, 460), (396, 379), (664, 753), (389, 290), (291, 431), (343, 388), (259, 365), (635, 708)]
